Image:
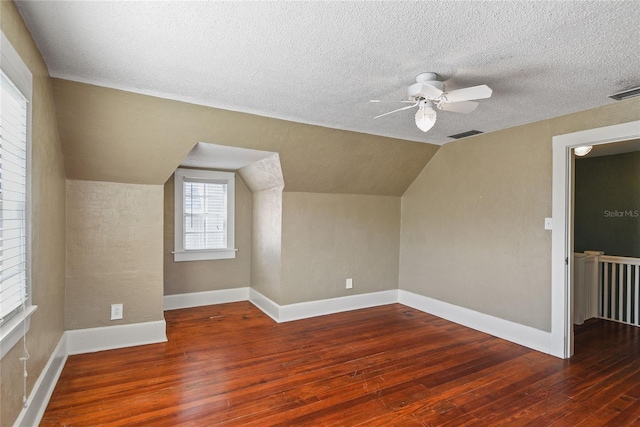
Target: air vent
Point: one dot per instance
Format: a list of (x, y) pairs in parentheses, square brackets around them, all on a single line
[(465, 134), (629, 93)]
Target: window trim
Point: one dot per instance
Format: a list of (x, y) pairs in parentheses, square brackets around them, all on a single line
[(180, 254), (16, 326)]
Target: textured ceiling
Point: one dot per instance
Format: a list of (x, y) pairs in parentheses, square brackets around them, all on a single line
[(320, 62)]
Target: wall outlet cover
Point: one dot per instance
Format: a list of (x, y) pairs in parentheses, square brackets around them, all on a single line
[(117, 311)]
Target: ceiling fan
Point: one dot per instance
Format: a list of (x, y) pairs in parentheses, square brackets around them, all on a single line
[(428, 91)]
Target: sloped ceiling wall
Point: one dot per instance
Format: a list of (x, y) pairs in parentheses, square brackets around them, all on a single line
[(113, 135)]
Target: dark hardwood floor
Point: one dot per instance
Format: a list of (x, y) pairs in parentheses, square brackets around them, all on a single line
[(231, 365)]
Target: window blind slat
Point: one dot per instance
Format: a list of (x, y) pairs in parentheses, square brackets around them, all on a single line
[(10, 292), (14, 164), (14, 113), (8, 235), (13, 143), (11, 224), (9, 156), (12, 127), (13, 132), (9, 205), (12, 121), (15, 169), (16, 187), (8, 284), (15, 242), (11, 264), (11, 196), (10, 253), (10, 303), (6, 275), (12, 259)]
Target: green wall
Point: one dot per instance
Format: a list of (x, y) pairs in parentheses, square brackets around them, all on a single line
[(607, 204)]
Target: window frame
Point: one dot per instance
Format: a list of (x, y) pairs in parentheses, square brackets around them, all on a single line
[(205, 176), (15, 326)]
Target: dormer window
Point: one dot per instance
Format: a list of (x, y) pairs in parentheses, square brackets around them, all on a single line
[(204, 215)]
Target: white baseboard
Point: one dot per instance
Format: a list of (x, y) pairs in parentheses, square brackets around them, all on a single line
[(266, 305), (197, 299), (111, 337), (505, 329), (305, 310), (44, 386)]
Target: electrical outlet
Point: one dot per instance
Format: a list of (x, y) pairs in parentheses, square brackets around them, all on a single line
[(548, 223), (349, 283), (117, 311)]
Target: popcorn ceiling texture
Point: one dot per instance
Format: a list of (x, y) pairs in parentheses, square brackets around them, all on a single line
[(320, 62)]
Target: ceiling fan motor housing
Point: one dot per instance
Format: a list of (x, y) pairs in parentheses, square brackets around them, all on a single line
[(415, 90)]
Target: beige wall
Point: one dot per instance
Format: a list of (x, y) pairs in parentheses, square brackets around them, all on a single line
[(327, 238), (113, 135), (199, 276), (114, 253), (266, 243), (48, 226), (263, 174), (473, 220)]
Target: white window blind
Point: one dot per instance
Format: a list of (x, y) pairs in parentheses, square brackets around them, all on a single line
[(13, 198), (205, 215)]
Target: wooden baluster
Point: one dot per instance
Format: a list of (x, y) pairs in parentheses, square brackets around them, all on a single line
[(628, 293), (637, 296), (605, 290)]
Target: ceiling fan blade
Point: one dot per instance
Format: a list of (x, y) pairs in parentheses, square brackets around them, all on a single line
[(430, 92), (463, 107), (469, 93), (380, 101), (395, 111)]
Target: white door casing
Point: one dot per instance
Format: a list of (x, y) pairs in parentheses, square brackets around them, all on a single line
[(562, 234)]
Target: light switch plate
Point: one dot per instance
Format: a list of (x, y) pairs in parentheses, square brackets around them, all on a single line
[(548, 223)]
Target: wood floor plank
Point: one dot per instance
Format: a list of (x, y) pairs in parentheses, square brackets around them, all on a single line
[(626, 417), (608, 412), (231, 365)]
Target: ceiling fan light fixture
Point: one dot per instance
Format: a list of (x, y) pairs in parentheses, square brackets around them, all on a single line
[(582, 150), (425, 116)]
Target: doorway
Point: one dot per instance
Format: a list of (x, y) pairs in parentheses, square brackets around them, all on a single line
[(562, 234)]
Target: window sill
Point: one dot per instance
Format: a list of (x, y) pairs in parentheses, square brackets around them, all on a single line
[(13, 329), (204, 255)]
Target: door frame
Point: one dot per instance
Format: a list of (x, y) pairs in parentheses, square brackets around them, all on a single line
[(562, 233)]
